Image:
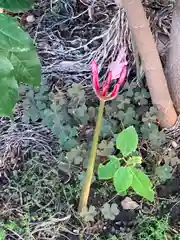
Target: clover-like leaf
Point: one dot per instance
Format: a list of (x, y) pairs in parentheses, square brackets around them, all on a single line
[(145, 94), (142, 184), (143, 101), (108, 170), (105, 148), (106, 128), (129, 116), (163, 172), (89, 215), (91, 113), (69, 143), (75, 155), (122, 104), (40, 105), (81, 177), (122, 179), (110, 211), (72, 154), (33, 113), (127, 141), (76, 92), (78, 160), (129, 93)]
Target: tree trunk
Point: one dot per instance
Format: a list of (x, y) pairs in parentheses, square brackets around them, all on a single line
[(172, 69), (146, 46)]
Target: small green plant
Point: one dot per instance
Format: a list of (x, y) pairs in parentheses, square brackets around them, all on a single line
[(11, 226), (151, 228), (123, 169)]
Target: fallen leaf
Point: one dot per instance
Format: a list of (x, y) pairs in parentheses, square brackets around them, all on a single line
[(129, 204)]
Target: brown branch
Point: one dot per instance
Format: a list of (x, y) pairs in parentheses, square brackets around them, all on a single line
[(146, 46)]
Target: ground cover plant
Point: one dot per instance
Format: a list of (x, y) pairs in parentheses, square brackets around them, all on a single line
[(74, 164)]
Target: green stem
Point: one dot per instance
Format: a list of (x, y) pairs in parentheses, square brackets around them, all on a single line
[(90, 169)]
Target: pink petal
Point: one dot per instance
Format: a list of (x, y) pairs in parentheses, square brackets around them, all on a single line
[(122, 76), (95, 78), (121, 80), (106, 85), (117, 66)]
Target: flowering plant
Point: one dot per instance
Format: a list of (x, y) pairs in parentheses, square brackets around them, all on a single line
[(118, 70)]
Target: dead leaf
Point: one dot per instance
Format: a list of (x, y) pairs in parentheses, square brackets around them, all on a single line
[(129, 204)]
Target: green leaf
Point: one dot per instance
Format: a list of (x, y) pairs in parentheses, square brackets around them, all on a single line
[(142, 184), (76, 93), (129, 93), (70, 143), (40, 105), (27, 66), (105, 148), (110, 211), (33, 113), (127, 141), (122, 179), (89, 215), (164, 172), (13, 38), (108, 170), (18, 47), (106, 128), (78, 160), (8, 87), (129, 116), (16, 5)]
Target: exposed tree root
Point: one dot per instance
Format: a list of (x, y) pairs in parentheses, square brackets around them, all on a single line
[(67, 43)]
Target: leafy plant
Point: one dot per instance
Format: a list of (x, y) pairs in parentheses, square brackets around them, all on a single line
[(18, 58), (12, 226), (123, 170), (151, 228), (119, 71)]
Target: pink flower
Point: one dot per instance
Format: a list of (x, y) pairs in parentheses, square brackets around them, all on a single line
[(118, 69)]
